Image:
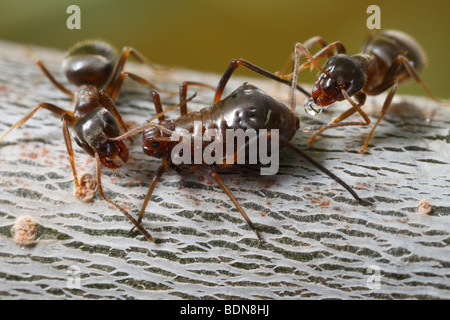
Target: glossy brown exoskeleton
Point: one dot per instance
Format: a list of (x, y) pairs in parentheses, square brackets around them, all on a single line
[(246, 108), (387, 59), (91, 66)]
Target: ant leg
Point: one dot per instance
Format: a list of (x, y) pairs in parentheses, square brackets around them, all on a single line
[(389, 81), (241, 62), (324, 52), (114, 90), (183, 93), (53, 80), (162, 168), (100, 191), (233, 199), (390, 75), (109, 105), (307, 44), (312, 62), (121, 63), (56, 110), (337, 122), (384, 110), (65, 120)]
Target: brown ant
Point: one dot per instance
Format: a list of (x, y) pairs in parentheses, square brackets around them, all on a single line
[(246, 108), (92, 65), (387, 59)]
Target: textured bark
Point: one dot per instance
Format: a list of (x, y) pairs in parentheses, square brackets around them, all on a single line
[(318, 242)]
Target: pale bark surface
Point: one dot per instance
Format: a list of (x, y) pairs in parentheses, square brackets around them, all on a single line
[(318, 242)]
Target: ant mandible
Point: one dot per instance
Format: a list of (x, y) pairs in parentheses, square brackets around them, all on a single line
[(387, 59), (246, 108), (92, 65)]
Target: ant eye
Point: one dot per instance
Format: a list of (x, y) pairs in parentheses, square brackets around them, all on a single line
[(108, 118), (155, 144)]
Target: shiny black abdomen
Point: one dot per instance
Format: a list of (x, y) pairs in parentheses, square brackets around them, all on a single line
[(389, 44)]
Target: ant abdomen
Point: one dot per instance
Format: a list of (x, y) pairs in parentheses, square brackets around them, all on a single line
[(90, 62)]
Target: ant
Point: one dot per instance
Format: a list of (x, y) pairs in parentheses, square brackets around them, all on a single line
[(246, 108), (92, 65), (387, 59)]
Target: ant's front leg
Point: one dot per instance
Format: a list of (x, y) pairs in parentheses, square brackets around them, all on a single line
[(337, 122), (307, 45)]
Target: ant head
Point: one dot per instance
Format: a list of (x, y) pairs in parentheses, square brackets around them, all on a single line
[(89, 62), (93, 133), (342, 73), (156, 143)]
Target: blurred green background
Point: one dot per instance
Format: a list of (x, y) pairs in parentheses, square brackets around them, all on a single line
[(206, 34)]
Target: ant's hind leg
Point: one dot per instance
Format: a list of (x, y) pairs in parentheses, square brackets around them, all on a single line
[(114, 89), (117, 74), (389, 81), (53, 80)]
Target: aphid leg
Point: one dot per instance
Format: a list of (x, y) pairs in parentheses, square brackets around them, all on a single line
[(56, 110), (162, 168), (241, 62), (233, 199), (53, 80), (337, 122), (100, 191), (384, 110), (321, 168), (183, 93), (149, 124)]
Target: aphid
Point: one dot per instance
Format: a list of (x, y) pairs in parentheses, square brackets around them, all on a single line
[(387, 59), (91, 66), (246, 108)]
